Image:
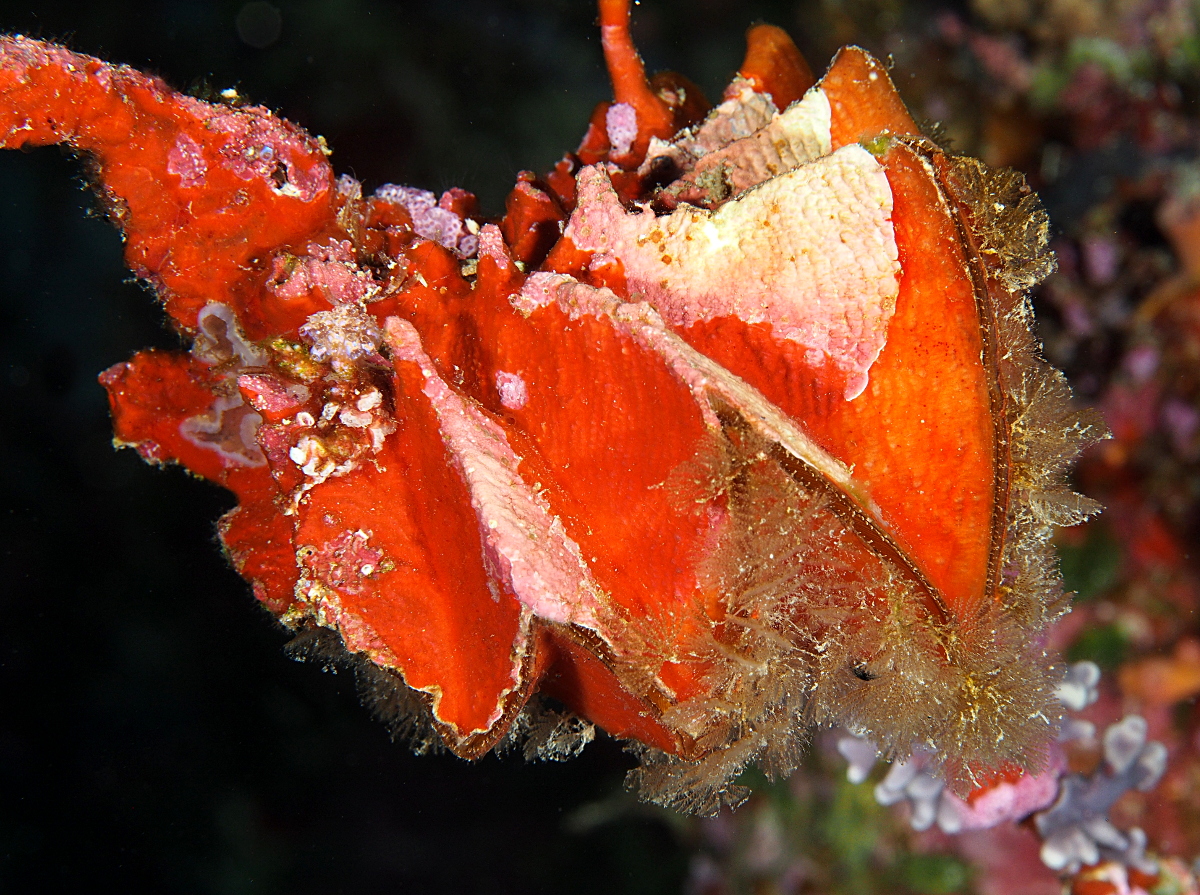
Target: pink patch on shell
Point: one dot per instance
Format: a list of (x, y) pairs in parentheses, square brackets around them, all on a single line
[(620, 121), (186, 161)]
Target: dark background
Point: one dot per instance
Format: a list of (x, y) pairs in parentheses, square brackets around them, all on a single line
[(153, 735)]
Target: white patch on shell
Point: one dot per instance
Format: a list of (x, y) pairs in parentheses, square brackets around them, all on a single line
[(513, 393), (811, 252), (369, 401), (230, 427), (219, 339)]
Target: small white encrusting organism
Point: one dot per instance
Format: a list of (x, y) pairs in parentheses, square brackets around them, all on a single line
[(514, 394), (219, 340), (342, 337), (229, 426)]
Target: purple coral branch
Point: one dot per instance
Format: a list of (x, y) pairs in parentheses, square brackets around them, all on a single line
[(1076, 830)]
